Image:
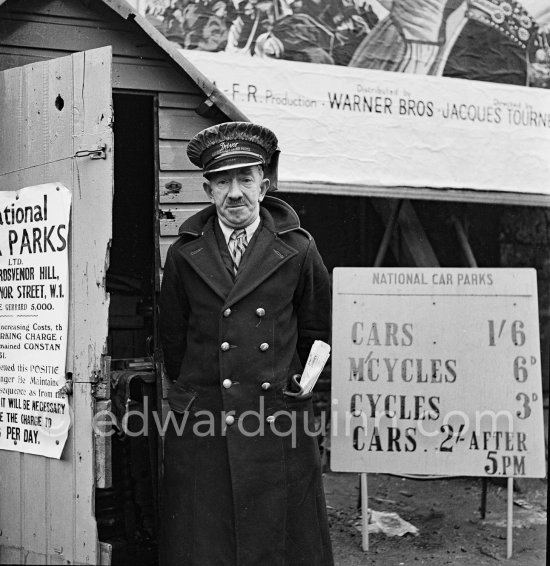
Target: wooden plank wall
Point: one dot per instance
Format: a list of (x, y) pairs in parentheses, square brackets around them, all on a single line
[(180, 182), (35, 30)]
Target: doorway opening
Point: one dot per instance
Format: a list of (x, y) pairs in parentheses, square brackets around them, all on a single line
[(126, 509)]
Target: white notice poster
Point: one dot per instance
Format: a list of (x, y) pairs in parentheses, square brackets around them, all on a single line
[(34, 411), (437, 371)]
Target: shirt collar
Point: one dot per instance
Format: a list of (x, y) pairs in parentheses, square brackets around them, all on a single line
[(250, 229)]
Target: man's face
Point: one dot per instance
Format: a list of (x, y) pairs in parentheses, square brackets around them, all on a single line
[(237, 194)]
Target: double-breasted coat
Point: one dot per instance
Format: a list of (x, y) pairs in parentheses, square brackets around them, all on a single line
[(242, 480)]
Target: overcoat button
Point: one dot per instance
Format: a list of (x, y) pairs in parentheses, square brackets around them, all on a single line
[(227, 383), (226, 312), (264, 346), (266, 385), (230, 419), (225, 346), (270, 419), (260, 312)]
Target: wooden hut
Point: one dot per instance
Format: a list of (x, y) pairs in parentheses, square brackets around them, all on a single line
[(95, 98)]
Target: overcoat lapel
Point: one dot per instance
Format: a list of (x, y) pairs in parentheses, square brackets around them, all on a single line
[(204, 257), (268, 254)]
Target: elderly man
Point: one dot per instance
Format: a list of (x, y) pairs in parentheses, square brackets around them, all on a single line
[(244, 295)]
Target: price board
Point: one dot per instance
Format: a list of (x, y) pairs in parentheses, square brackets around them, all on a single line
[(437, 371)]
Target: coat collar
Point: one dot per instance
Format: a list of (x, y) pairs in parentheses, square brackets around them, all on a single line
[(268, 255), (277, 216)]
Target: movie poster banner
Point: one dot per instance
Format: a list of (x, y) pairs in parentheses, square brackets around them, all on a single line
[(378, 94), (437, 371), (359, 127), (34, 305)]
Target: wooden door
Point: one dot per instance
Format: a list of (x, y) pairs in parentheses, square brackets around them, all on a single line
[(49, 112)]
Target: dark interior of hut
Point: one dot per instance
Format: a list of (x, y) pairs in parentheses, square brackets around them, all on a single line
[(126, 510), (348, 230)]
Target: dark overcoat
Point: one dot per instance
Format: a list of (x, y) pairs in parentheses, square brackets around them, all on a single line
[(242, 480)]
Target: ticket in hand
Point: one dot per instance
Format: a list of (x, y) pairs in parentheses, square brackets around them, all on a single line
[(318, 356)]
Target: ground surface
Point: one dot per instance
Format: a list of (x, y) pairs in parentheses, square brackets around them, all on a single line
[(446, 513)]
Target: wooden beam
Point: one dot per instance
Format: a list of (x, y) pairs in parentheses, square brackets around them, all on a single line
[(464, 243), (413, 243), (390, 226), (445, 194)]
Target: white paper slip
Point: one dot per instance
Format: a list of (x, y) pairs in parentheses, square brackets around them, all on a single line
[(318, 356)]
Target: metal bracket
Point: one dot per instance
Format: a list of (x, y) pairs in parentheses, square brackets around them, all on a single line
[(67, 389), (99, 153), (101, 379), (173, 187), (205, 106)]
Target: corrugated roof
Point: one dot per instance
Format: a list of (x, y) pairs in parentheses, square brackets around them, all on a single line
[(214, 96)]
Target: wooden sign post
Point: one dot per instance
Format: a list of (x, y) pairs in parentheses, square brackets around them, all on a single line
[(437, 371)]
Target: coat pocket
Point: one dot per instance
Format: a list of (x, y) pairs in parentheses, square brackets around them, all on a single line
[(181, 398), (294, 391)]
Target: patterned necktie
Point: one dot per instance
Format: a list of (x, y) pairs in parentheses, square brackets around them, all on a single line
[(237, 246)]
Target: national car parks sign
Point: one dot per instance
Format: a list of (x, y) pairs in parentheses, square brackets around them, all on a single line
[(437, 371)]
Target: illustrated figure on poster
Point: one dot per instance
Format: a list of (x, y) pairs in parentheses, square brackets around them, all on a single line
[(539, 59), (298, 37), (317, 32), (252, 17), (504, 41), (491, 40), (244, 295), (408, 39), (497, 41), (197, 24), (174, 24)]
